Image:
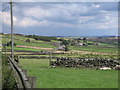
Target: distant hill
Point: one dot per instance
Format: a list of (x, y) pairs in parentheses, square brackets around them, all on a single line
[(104, 36)]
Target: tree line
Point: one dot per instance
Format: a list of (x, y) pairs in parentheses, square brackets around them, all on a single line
[(43, 38)]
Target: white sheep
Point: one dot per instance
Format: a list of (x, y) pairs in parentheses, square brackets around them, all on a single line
[(104, 68)]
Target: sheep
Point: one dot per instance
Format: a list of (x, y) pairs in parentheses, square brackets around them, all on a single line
[(104, 68)]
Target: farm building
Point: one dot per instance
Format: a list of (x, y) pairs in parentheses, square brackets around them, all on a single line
[(62, 47)]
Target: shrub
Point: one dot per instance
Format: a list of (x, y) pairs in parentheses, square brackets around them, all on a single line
[(10, 43), (8, 80)]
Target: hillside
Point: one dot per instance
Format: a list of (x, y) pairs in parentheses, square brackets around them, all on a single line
[(37, 56)]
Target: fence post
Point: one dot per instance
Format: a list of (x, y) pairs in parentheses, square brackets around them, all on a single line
[(32, 81), (25, 72)]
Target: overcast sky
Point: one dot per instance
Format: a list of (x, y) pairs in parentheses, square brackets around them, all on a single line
[(63, 19)]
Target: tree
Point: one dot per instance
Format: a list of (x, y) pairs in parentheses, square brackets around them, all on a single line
[(10, 43), (66, 48), (65, 42), (84, 40), (27, 40)]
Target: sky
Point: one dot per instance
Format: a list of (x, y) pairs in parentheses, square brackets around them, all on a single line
[(62, 18)]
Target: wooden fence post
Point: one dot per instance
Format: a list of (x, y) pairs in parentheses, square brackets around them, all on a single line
[(25, 72), (32, 81)]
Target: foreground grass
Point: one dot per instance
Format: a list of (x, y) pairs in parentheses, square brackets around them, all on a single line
[(68, 77)]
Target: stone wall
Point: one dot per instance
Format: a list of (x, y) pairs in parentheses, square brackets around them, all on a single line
[(85, 62)]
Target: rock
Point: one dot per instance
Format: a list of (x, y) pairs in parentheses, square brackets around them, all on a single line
[(104, 63), (117, 67)]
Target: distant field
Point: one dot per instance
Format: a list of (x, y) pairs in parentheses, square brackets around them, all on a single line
[(102, 48), (21, 41), (25, 49), (68, 77)]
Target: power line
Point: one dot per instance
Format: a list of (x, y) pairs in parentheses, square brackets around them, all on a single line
[(4, 9)]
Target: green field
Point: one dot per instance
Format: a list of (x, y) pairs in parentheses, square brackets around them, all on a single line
[(33, 43), (78, 55), (102, 48), (25, 49), (48, 77)]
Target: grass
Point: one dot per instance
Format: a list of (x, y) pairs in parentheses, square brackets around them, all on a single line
[(68, 77), (102, 48), (48, 77), (42, 44), (79, 55), (22, 39), (25, 49), (98, 49)]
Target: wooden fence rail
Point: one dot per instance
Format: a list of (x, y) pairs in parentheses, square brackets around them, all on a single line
[(22, 80)]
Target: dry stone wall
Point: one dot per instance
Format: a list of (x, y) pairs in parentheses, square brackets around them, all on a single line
[(85, 62)]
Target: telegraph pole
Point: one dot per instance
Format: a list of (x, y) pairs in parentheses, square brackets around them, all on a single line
[(12, 35)]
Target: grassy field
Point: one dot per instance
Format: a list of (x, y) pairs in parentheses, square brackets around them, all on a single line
[(102, 48), (21, 41), (25, 49), (78, 55), (68, 77), (48, 77), (99, 49)]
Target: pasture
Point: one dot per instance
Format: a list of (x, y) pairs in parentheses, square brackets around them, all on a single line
[(21, 40), (48, 77), (101, 49), (61, 77)]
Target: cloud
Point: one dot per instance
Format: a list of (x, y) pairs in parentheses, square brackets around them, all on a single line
[(96, 6), (6, 18), (64, 11), (25, 22), (29, 22), (17, 22), (71, 15)]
